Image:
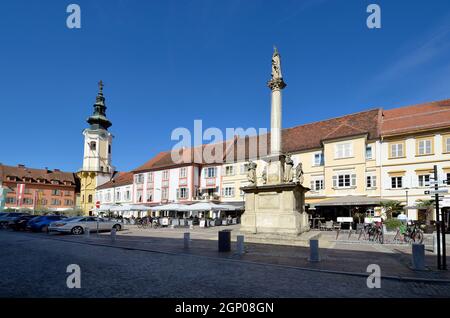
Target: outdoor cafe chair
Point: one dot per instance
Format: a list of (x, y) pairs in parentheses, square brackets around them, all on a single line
[(329, 225)]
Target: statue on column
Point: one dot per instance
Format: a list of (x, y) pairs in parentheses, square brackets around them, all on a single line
[(251, 172), (288, 170), (276, 65), (299, 173)]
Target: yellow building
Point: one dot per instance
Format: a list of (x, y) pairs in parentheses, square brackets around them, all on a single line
[(414, 140), (97, 168)]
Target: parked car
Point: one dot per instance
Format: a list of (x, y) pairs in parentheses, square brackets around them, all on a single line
[(78, 225), (20, 224), (9, 218), (41, 224)]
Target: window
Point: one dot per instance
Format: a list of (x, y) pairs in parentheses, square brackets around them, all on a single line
[(127, 195), (183, 172), (318, 159), (369, 154), (448, 178), (344, 181), (56, 202), (108, 197), (139, 178), (229, 170), (27, 191), (93, 145), (27, 201), (343, 150), (396, 182), (139, 196), (244, 168), (165, 175), (118, 196), (317, 184), (150, 177), (182, 193), (43, 202), (149, 195), (10, 200), (90, 198), (228, 191), (211, 172), (164, 193), (424, 147), (447, 144), (371, 181), (68, 202), (109, 149), (424, 180), (56, 192), (397, 150), (66, 193)]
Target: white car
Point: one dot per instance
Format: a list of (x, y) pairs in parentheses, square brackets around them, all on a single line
[(78, 225)]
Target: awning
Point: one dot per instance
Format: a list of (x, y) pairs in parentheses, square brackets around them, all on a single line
[(350, 200)]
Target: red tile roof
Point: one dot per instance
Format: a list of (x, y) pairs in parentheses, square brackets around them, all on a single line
[(414, 118), (119, 179), (21, 172)]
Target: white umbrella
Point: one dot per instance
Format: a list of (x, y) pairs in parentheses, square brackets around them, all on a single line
[(139, 208), (167, 207), (206, 206)]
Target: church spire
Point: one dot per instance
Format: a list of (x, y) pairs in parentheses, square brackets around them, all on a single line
[(98, 119)]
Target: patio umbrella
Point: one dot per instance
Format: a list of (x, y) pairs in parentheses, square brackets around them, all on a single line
[(167, 207)]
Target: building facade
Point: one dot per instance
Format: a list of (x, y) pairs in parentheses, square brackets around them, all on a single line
[(97, 166), (38, 189), (119, 190)]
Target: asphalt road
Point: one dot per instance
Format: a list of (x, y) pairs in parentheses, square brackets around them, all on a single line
[(34, 265)]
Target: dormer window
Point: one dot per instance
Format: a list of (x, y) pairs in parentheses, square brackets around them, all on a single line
[(11, 178), (55, 182)]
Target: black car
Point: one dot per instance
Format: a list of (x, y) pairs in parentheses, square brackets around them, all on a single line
[(21, 223)]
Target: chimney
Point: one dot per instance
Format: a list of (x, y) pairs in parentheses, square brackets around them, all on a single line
[(21, 165)]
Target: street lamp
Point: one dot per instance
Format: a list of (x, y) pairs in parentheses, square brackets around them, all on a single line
[(406, 206)]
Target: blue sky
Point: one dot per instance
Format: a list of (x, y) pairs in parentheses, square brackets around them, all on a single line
[(166, 63)]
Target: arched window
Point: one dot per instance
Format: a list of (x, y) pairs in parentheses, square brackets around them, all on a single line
[(93, 145)]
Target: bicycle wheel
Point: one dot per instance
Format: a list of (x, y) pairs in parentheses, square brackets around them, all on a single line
[(380, 238)]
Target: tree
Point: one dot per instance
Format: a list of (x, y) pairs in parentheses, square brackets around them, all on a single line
[(391, 207), (428, 206)]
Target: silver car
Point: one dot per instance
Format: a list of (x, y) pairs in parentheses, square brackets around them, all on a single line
[(79, 224)]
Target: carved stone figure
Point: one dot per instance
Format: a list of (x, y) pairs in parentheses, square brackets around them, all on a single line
[(264, 175), (299, 173), (251, 172), (288, 177), (276, 65)]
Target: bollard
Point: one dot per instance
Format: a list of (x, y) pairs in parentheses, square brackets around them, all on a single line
[(418, 257), (314, 250), (224, 241), (87, 231), (113, 234), (240, 244), (187, 240)]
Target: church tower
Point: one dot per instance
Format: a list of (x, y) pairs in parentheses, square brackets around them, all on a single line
[(97, 168)]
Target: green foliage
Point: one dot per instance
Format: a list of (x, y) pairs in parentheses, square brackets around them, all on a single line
[(73, 212), (392, 206), (392, 224)]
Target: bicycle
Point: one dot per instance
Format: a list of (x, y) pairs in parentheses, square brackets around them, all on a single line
[(413, 234)]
